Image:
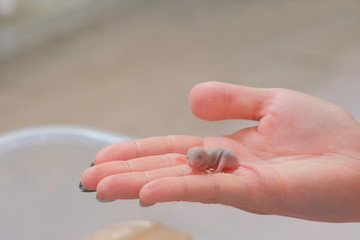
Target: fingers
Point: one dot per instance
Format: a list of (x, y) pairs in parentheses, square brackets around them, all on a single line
[(93, 175), (147, 147), (128, 185), (218, 101), (178, 184), (222, 188)]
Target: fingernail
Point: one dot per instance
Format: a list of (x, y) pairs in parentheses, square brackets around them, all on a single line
[(84, 189), (81, 186), (142, 204), (103, 200)]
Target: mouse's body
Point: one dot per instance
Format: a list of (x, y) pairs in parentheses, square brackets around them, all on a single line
[(213, 159)]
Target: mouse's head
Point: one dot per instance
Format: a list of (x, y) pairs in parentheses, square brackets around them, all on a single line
[(197, 158)]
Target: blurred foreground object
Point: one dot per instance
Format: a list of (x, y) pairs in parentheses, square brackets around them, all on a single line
[(39, 170), (137, 230)]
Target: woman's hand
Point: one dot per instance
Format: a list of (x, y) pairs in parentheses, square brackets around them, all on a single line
[(304, 158)]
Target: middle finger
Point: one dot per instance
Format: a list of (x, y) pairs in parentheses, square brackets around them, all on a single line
[(93, 175)]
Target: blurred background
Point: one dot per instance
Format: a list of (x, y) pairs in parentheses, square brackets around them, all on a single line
[(128, 66)]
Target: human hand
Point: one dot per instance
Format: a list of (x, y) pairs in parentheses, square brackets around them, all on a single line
[(304, 156)]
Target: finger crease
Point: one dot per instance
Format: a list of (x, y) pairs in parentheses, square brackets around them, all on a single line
[(129, 166), (137, 151), (169, 143), (227, 101), (216, 188), (147, 177), (185, 188), (166, 160)]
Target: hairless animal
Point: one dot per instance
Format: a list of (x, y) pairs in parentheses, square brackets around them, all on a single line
[(213, 159)]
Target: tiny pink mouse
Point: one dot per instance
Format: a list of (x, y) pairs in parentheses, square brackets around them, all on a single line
[(213, 159)]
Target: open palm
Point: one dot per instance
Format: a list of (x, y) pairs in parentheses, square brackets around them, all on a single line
[(302, 160)]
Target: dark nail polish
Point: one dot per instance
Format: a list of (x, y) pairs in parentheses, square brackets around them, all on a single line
[(83, 189), (103, 200), (81, 186)]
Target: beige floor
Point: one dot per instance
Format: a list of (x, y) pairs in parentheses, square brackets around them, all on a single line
[(131, 72)]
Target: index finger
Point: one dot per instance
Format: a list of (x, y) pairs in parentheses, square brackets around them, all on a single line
[(147, 147)]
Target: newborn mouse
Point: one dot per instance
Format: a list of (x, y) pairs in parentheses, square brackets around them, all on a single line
[(213, 159)]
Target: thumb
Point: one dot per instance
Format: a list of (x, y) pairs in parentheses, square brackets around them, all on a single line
[(218, 101)]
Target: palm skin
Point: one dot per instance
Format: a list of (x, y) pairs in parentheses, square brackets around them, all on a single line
[(302, 160)]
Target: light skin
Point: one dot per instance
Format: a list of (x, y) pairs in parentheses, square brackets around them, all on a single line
[(304, 158)]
